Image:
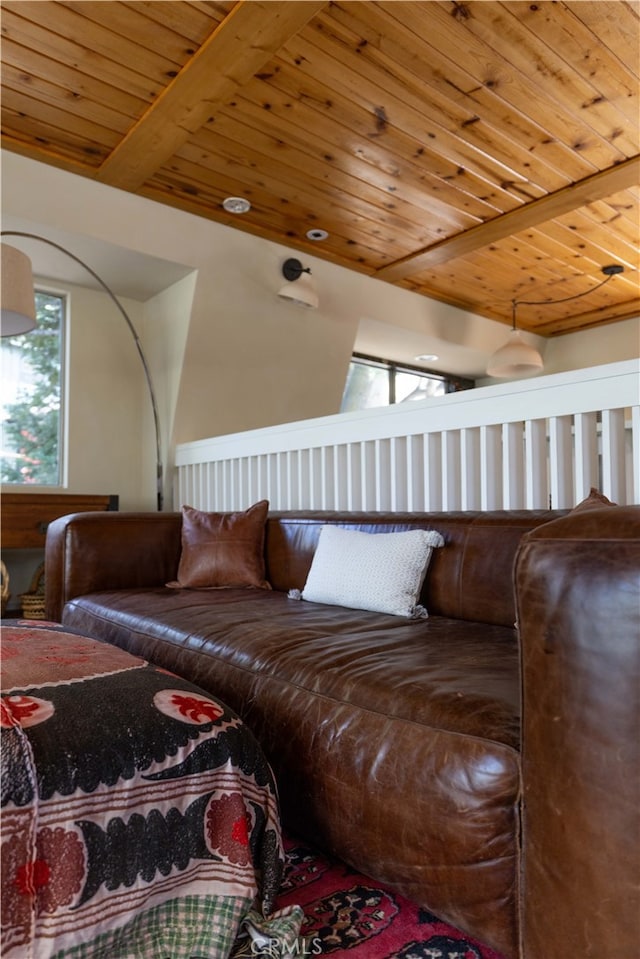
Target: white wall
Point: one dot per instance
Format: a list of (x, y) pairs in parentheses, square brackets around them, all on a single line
[(606, 344), (225, 353), (164, 330), (252, 359), (104, 401)]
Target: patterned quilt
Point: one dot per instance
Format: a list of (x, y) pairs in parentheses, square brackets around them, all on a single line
[(139, 815)]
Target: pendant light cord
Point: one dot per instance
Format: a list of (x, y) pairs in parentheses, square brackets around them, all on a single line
[(613, 271)]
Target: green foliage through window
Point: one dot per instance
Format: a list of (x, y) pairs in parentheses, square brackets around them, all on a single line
[(31, 398)]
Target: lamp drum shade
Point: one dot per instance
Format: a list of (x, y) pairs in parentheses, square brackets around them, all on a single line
[(515, 358), (18, 301)]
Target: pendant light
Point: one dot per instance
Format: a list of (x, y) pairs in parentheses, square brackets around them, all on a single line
[(517, 358)]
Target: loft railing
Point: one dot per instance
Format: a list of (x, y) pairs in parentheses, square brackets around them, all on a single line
[(531, 444)]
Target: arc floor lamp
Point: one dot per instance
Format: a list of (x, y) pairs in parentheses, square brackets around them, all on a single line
[(19, 316)]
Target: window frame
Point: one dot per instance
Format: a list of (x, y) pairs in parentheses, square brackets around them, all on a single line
[(452, 382)]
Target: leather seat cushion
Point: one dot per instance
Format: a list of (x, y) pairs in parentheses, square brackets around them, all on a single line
[(394, 742), (454, 676)]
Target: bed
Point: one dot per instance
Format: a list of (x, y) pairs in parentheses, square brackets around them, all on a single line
[(139, 815)]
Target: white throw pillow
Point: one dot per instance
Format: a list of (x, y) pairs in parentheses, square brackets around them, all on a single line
[(381, 572)]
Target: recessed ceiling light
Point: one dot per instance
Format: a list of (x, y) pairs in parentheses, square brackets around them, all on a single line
[(317, 235), (236, 204), (427, 357)]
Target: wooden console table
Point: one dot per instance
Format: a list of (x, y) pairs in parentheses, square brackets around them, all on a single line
[(26, 516)]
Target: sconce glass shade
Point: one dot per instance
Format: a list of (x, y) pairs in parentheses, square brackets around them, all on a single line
[(18, 300), (515, 358), (301, 292)]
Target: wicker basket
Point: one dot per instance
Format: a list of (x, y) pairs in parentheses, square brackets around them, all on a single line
[(33, 600), (4, 589)]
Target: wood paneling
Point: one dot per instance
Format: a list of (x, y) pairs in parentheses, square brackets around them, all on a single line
[(471, 151)]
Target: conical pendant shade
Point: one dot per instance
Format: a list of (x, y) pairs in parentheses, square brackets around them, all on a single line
[(515, 358)]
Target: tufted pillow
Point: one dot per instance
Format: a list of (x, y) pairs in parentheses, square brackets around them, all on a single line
[(382, 572), (222, 549)]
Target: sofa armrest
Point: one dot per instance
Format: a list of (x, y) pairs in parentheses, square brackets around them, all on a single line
[(88, 552), (578, 603)]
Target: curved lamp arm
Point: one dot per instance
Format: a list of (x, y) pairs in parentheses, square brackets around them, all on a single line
[(136, 339)]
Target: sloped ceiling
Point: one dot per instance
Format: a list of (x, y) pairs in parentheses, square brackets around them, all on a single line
[(473, 152)]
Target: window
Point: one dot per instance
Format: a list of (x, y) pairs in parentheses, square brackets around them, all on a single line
[(373, 382), (31, 452)]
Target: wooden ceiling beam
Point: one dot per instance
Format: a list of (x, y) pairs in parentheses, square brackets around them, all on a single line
[(622, 176), (234, 52)]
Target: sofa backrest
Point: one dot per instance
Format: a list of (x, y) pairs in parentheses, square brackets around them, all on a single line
[(470, 578)]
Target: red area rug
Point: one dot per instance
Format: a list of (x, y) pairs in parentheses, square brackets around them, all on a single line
[(348, 915)]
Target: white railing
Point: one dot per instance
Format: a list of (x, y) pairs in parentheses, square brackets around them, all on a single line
[(528, 444)]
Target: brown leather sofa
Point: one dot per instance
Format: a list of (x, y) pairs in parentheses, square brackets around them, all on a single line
[(405, 746)]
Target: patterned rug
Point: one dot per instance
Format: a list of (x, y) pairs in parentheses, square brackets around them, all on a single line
[(348, 915)]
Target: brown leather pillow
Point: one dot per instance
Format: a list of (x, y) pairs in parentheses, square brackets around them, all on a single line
[(222, 549), (595, 500)]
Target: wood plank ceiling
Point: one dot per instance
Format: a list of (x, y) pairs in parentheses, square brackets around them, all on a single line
[(472, 151)]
